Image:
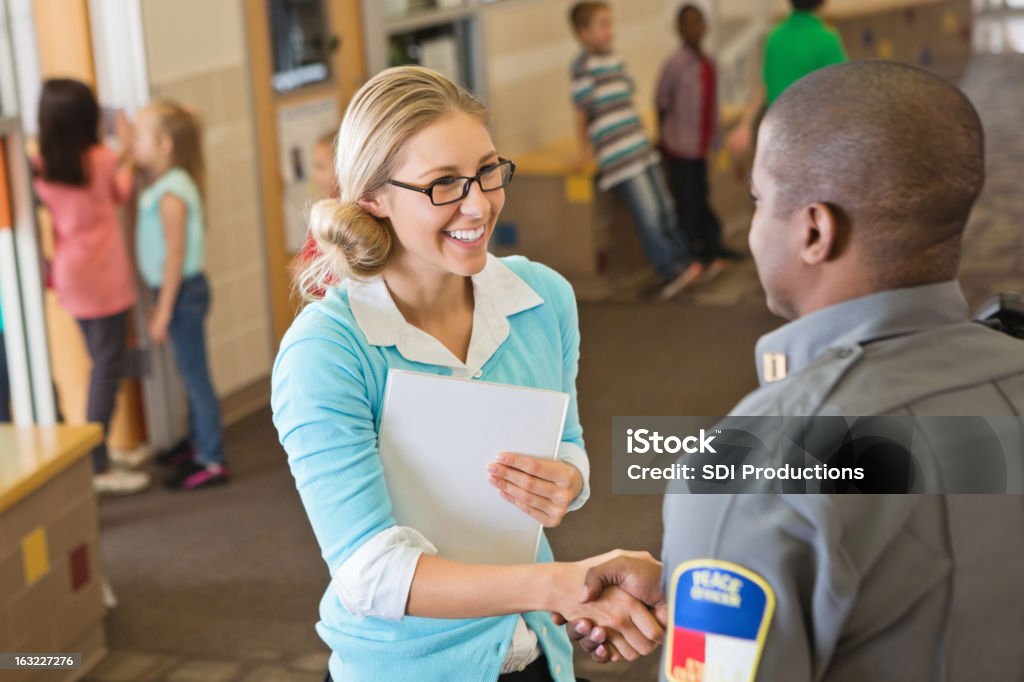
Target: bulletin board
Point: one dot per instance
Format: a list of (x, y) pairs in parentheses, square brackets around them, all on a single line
[(299, 126)]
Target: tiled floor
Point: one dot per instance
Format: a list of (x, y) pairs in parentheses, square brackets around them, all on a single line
[(135, 666)]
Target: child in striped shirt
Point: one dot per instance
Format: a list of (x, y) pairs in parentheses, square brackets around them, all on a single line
[(611, 134)]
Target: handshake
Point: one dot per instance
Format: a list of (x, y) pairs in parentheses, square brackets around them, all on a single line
[(621, 613)]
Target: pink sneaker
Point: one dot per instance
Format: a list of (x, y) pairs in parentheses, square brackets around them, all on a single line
[(193, 476)]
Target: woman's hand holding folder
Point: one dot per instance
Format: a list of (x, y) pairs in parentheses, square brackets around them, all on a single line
[(543, 488)]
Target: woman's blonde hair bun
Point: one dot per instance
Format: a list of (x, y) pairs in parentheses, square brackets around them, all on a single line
[(364, 241)]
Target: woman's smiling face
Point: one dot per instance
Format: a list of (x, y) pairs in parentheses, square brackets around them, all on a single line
[(442, 239)]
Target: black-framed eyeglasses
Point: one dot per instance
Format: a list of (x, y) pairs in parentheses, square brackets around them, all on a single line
[(453, 188)]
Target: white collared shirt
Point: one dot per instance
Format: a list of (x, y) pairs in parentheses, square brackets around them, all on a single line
[(375, 580)]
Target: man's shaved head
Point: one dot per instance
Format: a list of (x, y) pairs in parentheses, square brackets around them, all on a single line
[(895, 151)]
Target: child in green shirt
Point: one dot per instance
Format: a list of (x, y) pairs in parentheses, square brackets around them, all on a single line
[(800, 44)]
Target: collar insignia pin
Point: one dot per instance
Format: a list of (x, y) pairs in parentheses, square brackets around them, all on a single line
[(774, 367)]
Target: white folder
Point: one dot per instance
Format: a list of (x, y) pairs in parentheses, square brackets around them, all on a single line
[(437, 436)]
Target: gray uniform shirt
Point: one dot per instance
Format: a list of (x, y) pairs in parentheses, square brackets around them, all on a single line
[(922, 588)]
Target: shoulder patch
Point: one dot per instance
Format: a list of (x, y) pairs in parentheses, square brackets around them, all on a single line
[(719, 613)]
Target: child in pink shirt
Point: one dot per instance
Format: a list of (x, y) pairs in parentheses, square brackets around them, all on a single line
[(81, 182)]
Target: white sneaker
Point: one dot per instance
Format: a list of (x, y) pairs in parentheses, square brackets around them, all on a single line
[(683, 280), (109, 598), (712, 270), (131, 459), (120, 482)]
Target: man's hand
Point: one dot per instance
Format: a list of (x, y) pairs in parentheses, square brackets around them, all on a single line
[(637, 573), (626, 627), (627, 623), (544, 489)]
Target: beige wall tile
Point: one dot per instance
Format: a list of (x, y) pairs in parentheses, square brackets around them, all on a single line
[(191, 37), (255, 354), (222, 367), (235, 141), (235, 91), (240, 352), (203, 94), (253, 287)]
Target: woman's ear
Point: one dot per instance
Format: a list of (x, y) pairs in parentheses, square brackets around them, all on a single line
[(821, 233), (374, 206)]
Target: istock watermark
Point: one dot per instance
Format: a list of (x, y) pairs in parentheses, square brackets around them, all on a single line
[(642, 441), (833, 454)]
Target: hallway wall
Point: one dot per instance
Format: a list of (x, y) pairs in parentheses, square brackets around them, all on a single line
[(197, 55)]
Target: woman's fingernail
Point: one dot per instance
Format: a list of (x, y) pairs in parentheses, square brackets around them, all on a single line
[(493, 468), (502, 457), (580, 629)]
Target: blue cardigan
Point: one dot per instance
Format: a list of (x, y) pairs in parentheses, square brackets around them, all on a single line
[(328, 389)]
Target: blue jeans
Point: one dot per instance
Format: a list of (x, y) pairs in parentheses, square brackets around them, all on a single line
[(654, 213), (188, 339)]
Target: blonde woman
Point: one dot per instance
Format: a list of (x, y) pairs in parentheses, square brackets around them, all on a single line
[(421, 186)]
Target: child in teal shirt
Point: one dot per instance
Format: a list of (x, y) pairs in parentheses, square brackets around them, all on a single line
[(169, 244)]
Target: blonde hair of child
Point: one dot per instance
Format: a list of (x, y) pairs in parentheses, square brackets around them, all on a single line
[(384, 114), (182, 125)]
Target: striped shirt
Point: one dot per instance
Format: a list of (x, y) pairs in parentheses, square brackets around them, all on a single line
[(602, 88)]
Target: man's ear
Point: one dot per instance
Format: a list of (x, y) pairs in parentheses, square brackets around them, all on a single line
[(820, 240), (374, 206)]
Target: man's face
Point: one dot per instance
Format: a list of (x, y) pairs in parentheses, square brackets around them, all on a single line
[(774, 236)]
